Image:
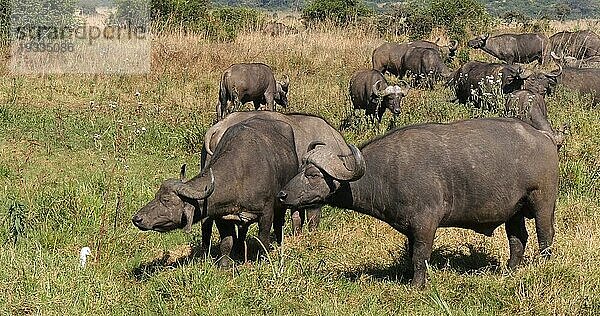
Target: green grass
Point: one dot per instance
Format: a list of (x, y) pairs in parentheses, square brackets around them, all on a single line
[(83, 153)]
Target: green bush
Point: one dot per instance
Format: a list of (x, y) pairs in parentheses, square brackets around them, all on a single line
[(186, 12), (219, 24), (338, 11), (133, 13), (459, 17), (41, 14)]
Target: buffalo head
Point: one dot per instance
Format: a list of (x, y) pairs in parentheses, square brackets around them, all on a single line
[(282, 91), (513, 77), (479, 41), (391, 97), (321, 174), (173, 205), (543, 83)]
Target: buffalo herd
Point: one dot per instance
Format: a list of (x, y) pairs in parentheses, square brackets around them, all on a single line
[(476, 174)]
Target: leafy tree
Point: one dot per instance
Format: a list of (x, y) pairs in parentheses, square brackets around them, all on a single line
[(338, 11)]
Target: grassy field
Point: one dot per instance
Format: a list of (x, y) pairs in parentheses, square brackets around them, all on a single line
[(79, 155)]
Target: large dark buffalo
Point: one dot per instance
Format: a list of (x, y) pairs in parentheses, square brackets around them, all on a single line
[(251, 163), (579, 44), (512, 48), (307, 129), (390, 56), (475, 79), (370, 91), (250, 82), (424, 65), (583, 80), (475, 174)]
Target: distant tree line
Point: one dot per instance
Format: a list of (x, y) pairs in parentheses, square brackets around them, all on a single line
[(224, 19)]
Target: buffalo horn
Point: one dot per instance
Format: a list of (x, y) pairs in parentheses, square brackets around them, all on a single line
[(192, 193), (553, 74), (376, 90), (207, 139), (336, 165), (453, 45), (286, 82)]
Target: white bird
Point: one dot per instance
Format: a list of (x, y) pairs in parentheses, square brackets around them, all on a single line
[(85, 251)]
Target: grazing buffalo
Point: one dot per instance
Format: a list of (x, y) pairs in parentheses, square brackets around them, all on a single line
[(583, 80), (425, 65), (579, 44), (251, 163), (476, 174), (390, 56), (475, 79), (307, 129), (277, 29), (250, 82), (512, 48), (370, 91)]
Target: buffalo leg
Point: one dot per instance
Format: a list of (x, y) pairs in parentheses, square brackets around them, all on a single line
[(241, 246), (421, 253), (270, 102), (517, 239), (228, 239), (206, 235), (264, 229), (314, 218), (543, 207), (278, 222)]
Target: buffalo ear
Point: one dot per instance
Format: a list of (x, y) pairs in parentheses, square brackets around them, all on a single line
[(182, 173)]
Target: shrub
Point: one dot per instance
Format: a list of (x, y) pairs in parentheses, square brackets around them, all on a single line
[(459, 17), (219, 24), (338, 11), (46, 13), (132, 13)]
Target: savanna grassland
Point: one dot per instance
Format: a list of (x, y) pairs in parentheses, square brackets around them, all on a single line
[(80, 154)]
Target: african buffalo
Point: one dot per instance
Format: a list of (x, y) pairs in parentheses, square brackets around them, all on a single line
[(424, 65), (390, 56), (512, 48), (251, 163), (583, 80), (370, 91), (475, 79), (579, 44), (307, 129), (250, 82), (476, 174)]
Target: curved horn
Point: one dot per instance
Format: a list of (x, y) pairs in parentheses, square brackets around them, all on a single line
[(359, 163), (554, 75), (337, 166), (453, 45), (556, 58), (208, 138), (182, 173), (376, 90), (192, 193), (286, 82)]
